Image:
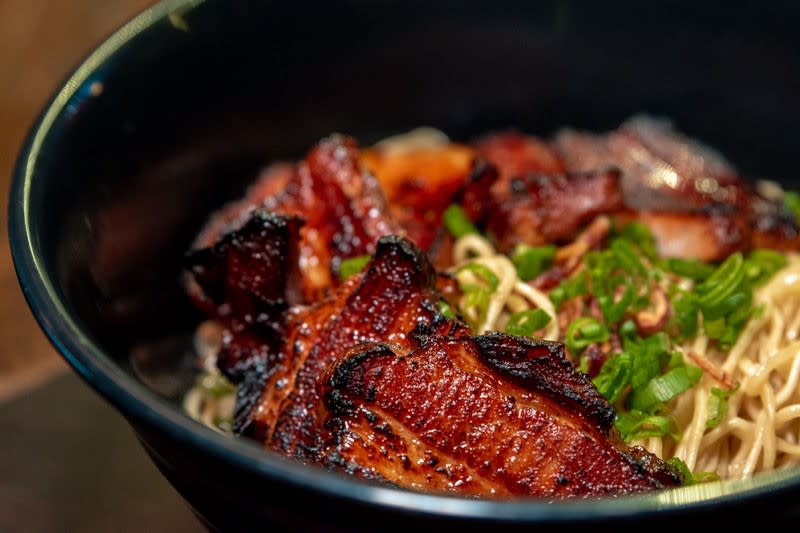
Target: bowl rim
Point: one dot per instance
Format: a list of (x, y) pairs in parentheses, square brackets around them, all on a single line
[(133, 400)]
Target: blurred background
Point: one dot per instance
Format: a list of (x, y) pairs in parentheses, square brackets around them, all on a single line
[(76, 469)]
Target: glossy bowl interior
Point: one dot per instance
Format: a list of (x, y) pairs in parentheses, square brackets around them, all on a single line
[(174, 114)]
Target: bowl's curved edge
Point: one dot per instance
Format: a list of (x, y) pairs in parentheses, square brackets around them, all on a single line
[(134, 401)]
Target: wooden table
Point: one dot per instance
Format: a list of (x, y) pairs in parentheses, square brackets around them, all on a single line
[(40, 42)]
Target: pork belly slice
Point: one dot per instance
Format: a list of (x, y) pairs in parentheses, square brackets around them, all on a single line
[(516, 155), (690, 196), (248, 271), (248, 280), (661, 168), (419, 183), (342, 205), (710, 234), (552, 209), (395, 302), (487, 415)]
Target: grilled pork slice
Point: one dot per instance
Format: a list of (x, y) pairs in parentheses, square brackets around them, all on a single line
[(692, 199), (395, 302), (419, 183), (534, 200), (661, 168), (709, 234), (552, 209), (248, 280), (488, 415), (516, 155), (249, 271), (341, 203)]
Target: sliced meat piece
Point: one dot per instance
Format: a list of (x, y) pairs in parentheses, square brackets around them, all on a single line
[(661, 168), (553, 209), (516, 155), (488, 415), (691, 197), (248, 271), (707, 235), (394, 301), (342, 204), (419, 183), (248, 280)]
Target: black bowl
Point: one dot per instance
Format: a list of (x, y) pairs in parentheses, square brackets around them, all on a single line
[(176, 112)]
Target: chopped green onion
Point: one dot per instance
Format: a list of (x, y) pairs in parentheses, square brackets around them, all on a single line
[(689, 268), (735, 302), (762, 264), (223, 423), (685, 318), (703, 477), (446, 310), (678, 464), (725, 280), (569, 288), (715, 328), (627, 257), (483, 272), (614, 311), (663, 388), (614, 376), (717, 405), (457, 222), (527, 321), (648, 357), (640, 235), (582, 332), (353, 265), (628, 331), (215, 385), (791, 200), (690, 478), (532, 261), (634, 425), (476, 295)]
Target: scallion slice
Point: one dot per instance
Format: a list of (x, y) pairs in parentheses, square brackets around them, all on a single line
[(527, 321), (353, 265), (457, 222), (531, 261)]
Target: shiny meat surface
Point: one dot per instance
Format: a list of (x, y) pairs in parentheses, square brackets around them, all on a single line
[(661, 168), (516, 155), (394, 302), (692, 199), (707, 235), (419, 184), (248, 280), (488, 415), (552, 209), (342, 205)]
